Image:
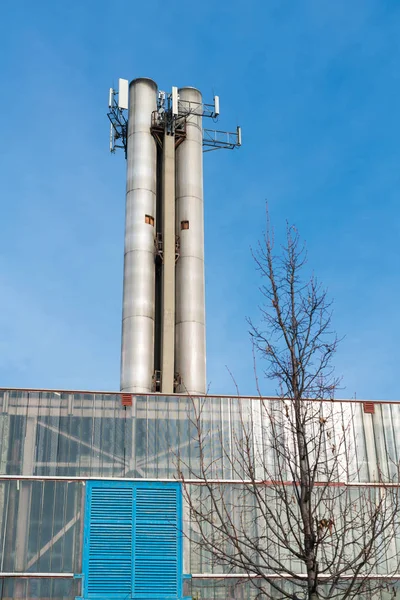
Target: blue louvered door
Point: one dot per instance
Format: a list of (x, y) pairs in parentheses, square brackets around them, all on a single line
[(157, 556), (108, 544), (132, 541)]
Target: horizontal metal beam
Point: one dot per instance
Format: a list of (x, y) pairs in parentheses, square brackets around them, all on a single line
[(260, 482), (393, 577), (211, 576), (39, 575)]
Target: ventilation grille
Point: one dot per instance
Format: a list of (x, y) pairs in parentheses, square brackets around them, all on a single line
[(132, 541), (369, 407), (110, 555), (156, 573), (126, 399)]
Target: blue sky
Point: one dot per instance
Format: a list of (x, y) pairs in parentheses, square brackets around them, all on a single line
[(315, 85)]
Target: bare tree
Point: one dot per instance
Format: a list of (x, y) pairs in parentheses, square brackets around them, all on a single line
[(293, 516)]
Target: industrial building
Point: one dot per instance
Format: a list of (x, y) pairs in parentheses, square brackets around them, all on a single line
[(91, 503), (74, 465)]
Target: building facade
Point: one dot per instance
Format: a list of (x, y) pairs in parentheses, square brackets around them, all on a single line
[(91, 503)]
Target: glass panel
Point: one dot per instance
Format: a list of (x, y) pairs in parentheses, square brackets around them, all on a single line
[(55, 589), (41, 526)]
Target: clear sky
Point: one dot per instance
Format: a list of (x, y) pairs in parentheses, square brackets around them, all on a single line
[(315, 85)]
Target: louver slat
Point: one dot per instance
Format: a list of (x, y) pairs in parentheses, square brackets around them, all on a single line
[(157, 564), (109, 538)]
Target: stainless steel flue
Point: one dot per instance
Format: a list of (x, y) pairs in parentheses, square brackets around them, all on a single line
[(137, 356), (190, 344)]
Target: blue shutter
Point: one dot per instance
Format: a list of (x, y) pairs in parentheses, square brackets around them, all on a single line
[(108, 542), (158, 542), (132, 541)]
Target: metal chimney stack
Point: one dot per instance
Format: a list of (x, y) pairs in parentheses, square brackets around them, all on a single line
[(163, 321), (190, 314), (138, 313)]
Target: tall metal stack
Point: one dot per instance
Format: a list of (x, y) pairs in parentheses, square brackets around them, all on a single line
[(190, 315), (163, 321), (138, 314)]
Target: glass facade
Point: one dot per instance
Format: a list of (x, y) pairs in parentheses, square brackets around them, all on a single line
[(51, 443)]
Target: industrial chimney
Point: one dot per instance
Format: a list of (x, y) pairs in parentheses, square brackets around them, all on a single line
[(163, 320)]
